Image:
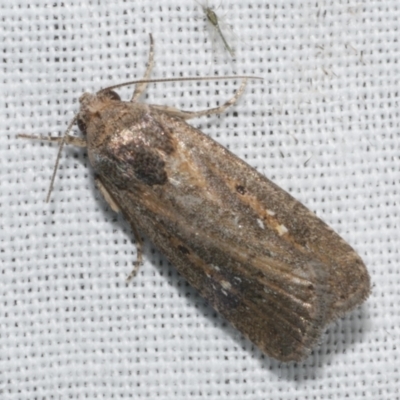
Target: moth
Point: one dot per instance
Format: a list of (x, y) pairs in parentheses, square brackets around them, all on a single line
[(263, 260)]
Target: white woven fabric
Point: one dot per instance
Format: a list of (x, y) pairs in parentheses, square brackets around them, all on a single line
[(323, 124)]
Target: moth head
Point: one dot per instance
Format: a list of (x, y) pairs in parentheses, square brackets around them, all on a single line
[(91, 104)]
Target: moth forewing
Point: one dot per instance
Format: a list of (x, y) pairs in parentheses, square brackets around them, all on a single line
[(263, 260)]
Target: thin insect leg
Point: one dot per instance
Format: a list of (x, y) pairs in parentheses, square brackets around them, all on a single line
[(216, 29), (139, 259), (141, 87), (107, 196), (214, 21), (115, 207), (230, 50), (61, 140), (195, 114)]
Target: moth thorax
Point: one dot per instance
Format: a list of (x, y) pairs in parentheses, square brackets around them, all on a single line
[(92, 104)]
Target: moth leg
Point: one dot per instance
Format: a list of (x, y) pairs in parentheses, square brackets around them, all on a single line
[(195, 114), (73, 140), (139, 243), (141, 87), (66, 138), (107, 197), (139, 259)]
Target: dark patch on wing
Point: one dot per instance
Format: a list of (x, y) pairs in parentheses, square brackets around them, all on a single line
[(147, 164), (183, 250), (149, 167), (240, 189)]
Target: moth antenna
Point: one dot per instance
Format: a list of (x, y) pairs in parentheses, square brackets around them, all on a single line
[(62, 142), (140, 88), (201, 78)]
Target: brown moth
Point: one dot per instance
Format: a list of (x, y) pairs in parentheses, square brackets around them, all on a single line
[(264, 261)]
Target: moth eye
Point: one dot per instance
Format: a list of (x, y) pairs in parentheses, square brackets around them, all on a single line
[(183, 250), (240, 189), (112, 95), (81, 125)]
